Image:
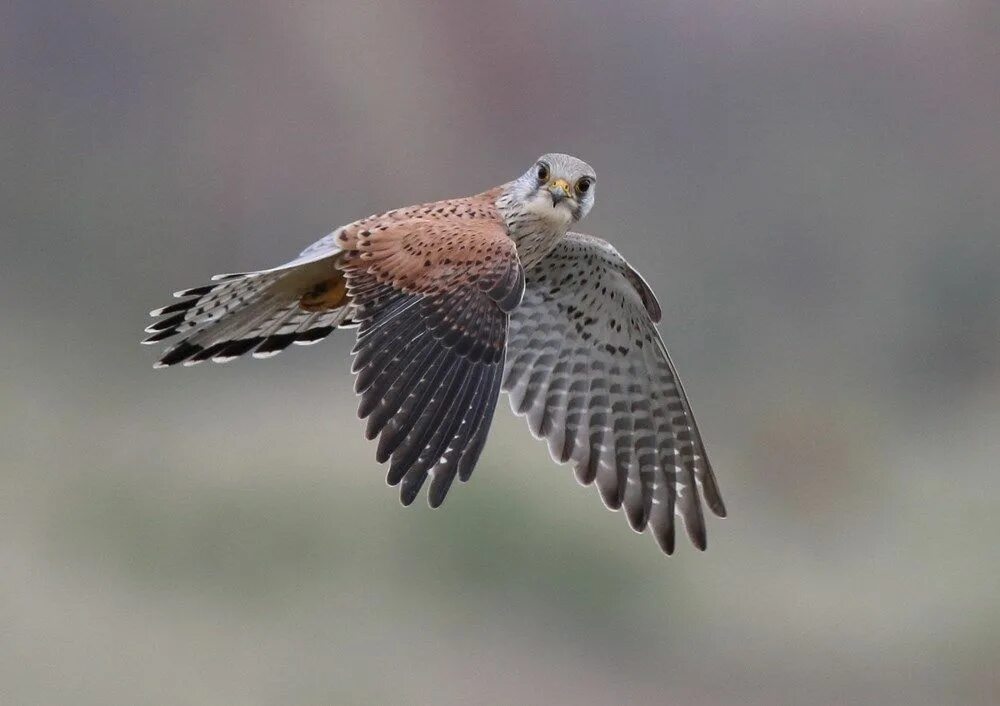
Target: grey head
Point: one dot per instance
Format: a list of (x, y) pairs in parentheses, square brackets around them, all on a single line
[(557, 188)]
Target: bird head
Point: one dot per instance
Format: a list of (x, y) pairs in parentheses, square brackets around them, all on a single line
[(557, 188)]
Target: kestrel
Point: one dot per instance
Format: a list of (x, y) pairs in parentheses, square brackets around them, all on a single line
[(453, 302)]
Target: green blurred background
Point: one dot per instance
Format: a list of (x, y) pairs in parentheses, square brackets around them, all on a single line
[(812, 189)]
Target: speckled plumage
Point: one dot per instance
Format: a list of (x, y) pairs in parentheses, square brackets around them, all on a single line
[(588, 369), (455, 299)]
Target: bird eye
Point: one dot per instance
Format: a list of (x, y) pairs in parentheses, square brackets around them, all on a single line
[(583, 186), (543, 171)]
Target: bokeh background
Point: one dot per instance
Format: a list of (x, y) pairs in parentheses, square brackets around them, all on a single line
[(811, 187)]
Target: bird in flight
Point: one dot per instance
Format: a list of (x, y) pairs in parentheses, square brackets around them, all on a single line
[(456, 300)]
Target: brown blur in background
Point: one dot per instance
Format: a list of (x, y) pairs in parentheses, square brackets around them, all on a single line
[(812, 189)]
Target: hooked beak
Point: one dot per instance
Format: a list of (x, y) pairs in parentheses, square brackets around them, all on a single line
[(559, 190)]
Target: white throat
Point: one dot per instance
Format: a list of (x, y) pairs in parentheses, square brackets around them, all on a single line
[(535, 224)]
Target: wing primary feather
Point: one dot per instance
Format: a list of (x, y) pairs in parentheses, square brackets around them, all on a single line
[(379, 346), (400, 306), (444, 472), (662, 520), (407, 453), (575, 413), (711, 491), (470, 455), (370, 361), (409, 412), (392, 390), (447, 423), (694, 519), (373, 381)]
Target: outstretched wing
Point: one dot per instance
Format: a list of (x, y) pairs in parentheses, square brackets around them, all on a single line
[(433, 286), (261, 312), (588, 369)]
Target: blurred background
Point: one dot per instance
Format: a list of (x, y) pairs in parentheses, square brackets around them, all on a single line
[(811, 187)]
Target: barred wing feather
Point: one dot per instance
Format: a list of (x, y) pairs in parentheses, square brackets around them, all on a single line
[(587, 368)]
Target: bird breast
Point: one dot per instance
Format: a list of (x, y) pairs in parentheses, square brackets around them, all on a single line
[(535, 225), (534, 244)]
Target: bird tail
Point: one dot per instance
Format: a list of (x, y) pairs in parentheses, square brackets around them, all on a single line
[(251, 312)]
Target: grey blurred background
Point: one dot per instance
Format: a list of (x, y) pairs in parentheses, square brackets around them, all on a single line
[(812, 189)]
